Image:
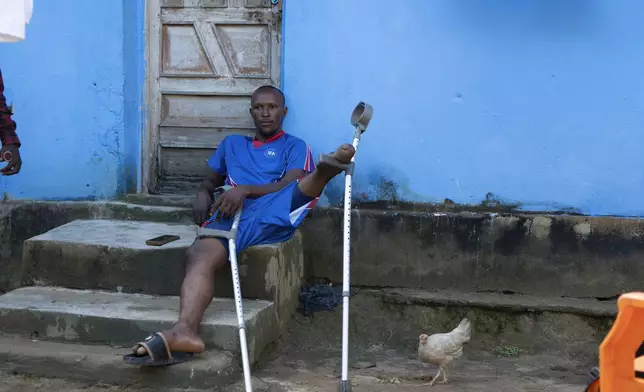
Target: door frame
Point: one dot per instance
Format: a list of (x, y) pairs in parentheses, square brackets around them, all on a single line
[(150, 157), (152, 104)]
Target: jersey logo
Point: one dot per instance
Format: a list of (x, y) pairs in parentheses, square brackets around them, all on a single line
[(270, 153)]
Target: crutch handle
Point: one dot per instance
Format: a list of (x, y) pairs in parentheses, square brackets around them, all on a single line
[(204, 232)]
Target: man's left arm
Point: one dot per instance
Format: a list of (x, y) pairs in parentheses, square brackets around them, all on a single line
[(299, 163), (254, 191)]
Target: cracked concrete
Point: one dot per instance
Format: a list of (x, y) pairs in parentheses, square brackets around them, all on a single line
[(119, 319)]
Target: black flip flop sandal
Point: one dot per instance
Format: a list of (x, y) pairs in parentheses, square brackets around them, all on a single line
[(158, 353)]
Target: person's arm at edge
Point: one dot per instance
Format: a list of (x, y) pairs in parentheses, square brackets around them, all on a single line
[(8, 134)]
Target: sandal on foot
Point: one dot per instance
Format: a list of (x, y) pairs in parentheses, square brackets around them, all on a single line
[(158, 353)]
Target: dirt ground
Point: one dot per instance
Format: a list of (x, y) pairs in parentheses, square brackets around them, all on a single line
[(377, 370), (385, 370), (308, 360)]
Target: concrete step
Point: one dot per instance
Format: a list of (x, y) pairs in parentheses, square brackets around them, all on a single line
[(112, 255), (184, 201), (23, 219), (431, 247), (119, 319), (506, 324), (213, 370), (513, 303)]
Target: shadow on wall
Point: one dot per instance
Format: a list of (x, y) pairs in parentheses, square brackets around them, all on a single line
[(386, 186), (377, 185), (382, 189)]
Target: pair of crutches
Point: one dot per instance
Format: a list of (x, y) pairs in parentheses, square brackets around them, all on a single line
[(360, 120)]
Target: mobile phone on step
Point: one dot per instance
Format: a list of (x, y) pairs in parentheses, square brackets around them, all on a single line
[(161, 240)]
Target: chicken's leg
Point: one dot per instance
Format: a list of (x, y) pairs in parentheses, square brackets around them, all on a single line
[(434, 379), (444, 380)]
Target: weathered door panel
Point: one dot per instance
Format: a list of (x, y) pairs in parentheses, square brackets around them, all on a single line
[(206, 58)]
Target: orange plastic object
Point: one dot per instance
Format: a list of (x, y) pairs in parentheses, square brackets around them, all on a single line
[(617, 351), (594, 386)]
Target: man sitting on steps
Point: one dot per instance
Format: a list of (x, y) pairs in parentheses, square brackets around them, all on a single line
[(276, 181)]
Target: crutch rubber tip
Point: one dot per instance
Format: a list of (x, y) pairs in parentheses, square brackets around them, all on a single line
[(345, 386), (330, 161)]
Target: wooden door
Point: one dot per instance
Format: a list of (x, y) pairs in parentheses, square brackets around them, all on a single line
[(205, 59)]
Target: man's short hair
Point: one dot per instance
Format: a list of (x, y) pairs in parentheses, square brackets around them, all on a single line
[(270, 88)]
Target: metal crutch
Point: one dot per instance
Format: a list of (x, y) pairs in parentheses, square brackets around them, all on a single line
[(360, 120), (232, 250)]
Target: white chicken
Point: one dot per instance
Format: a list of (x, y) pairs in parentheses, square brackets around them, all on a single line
[(441, 349)]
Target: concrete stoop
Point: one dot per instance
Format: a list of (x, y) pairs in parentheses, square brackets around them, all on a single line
[(93, 289), (112, 255), (119, 319), (96, 283), (213, 370)]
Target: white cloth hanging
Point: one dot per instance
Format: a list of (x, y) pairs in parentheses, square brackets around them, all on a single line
[(14, 17)]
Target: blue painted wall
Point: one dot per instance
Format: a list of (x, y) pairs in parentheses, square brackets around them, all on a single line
[(537, 101), (76, 85)]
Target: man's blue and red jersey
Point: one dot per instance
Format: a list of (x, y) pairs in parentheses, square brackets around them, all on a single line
[(243, 160), (246, 161)]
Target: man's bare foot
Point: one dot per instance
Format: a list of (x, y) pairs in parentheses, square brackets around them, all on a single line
[(313, 184), (180, 339), (343, 154)]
